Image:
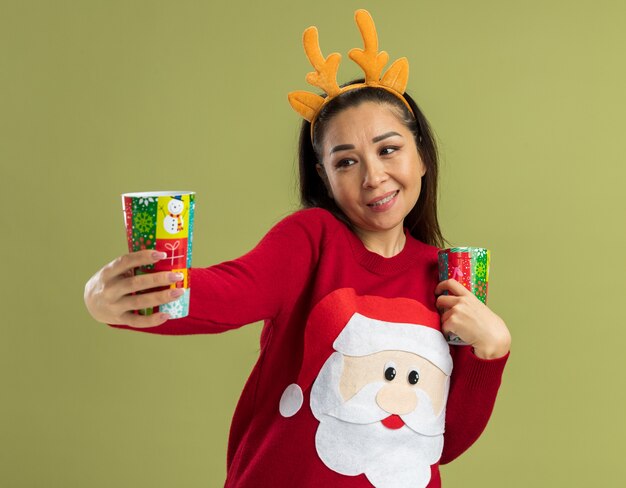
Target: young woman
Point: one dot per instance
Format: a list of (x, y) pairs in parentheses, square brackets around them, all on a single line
[(355, 385)]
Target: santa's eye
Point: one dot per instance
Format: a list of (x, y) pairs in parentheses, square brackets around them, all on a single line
[(390, 371), (414, 377)]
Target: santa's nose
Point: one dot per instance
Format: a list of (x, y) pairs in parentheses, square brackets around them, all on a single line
[(396, 399)]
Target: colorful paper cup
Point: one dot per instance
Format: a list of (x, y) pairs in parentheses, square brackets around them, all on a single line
[(163, 221), (470, 267)]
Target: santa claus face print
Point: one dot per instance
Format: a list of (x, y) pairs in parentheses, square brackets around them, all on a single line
[(372, 168), (378, 371), (402, 373), (376, 420), (381, 403)]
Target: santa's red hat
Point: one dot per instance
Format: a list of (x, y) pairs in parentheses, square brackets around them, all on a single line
[(360, 325)]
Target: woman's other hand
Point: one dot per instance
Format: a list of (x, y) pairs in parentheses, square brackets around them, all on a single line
[(466, 316)]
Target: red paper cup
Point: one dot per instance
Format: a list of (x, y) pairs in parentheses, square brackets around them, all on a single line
[(162, 221), (470, 267)]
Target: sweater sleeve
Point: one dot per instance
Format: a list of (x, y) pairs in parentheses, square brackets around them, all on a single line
[(253, 287), (474, 386)]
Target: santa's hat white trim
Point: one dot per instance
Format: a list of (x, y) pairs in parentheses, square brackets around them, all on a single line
[(362, 336)]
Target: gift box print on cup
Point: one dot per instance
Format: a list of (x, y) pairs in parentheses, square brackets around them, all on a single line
[(162, 221), (470, 267)]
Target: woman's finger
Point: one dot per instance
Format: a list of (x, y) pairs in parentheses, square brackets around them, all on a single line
[(148, 300), (452, 286), (446, 301), (445, 317), (146, 281), (143, 321), (122, 264)]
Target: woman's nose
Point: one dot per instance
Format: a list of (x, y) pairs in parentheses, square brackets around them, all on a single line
[(375, 173)]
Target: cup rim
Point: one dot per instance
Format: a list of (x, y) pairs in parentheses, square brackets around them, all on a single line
[(165, 193), (462, 249)]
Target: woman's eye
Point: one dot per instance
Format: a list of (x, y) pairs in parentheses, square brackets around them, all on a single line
[(344, 163), (388, 150)]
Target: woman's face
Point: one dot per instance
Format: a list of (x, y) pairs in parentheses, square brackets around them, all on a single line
[(371, 166)]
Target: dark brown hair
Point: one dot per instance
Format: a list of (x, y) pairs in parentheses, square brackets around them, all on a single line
[(422, 220)]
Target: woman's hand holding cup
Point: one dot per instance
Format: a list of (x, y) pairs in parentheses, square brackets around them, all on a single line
[(467, 317), (112, 294)]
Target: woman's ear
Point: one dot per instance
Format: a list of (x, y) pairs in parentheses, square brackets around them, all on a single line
[(322, 173)]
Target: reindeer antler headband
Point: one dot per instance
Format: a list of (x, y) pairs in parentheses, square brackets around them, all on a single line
[(369, 59)]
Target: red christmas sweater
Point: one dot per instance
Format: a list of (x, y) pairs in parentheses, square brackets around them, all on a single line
[(303, 259)]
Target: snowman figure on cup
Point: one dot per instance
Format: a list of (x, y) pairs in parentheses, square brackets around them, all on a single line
[(173, 221)]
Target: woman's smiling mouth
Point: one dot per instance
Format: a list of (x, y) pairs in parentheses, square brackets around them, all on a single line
[(383, 202)]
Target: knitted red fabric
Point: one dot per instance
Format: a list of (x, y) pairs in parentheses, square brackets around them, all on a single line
[(301, 260)]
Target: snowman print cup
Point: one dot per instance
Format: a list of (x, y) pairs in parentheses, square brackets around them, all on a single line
[(163, 221)]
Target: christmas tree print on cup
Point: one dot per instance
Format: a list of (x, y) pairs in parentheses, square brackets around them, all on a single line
[(163, 221), (470, 267)]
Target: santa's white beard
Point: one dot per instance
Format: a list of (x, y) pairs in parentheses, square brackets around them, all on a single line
[(351, 440)]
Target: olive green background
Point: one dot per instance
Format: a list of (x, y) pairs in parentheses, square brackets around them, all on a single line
[(102, 97)]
